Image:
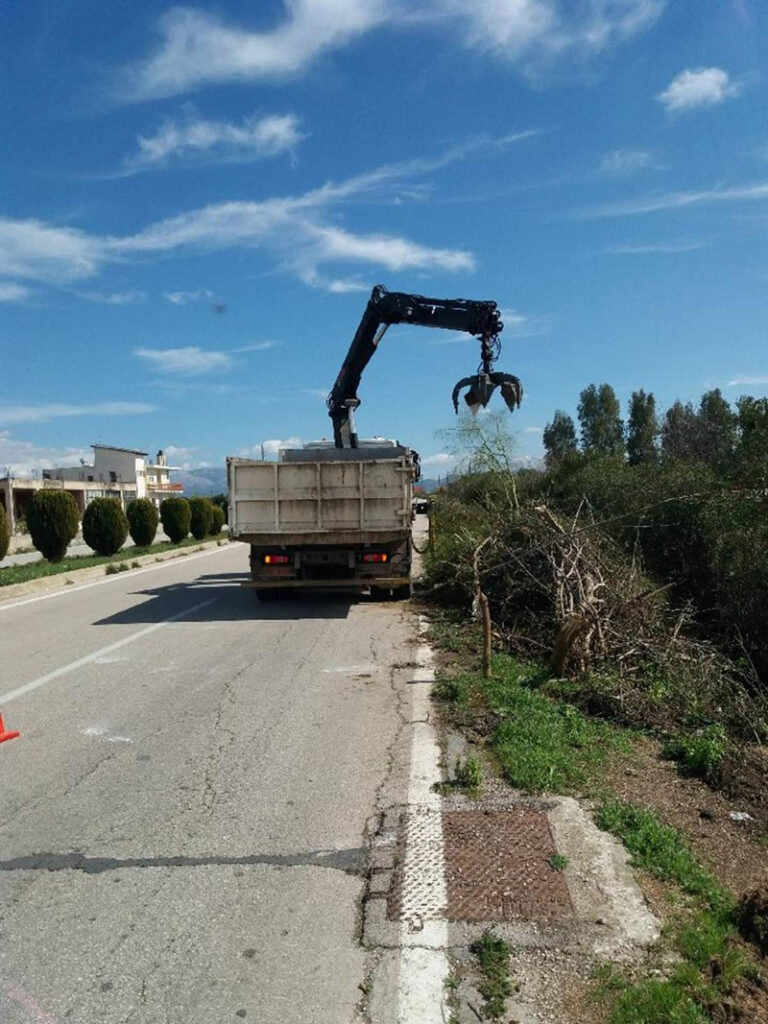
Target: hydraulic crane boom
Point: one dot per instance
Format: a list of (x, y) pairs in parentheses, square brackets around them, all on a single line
[(385, 308)]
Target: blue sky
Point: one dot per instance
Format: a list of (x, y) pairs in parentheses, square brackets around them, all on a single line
[(197, 201)]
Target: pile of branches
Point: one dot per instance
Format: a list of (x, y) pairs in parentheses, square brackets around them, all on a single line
[(557, 586)]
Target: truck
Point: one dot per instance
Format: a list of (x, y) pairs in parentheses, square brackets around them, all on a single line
[(338, 514)]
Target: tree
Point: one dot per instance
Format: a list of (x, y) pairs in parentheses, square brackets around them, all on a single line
[(142, 521), (602, 429), (642, 429), (218, 520), (175, 517), (5, 534), (751, 460), (105, 526), (52, 520), (559, 438), (201, 517), (716, 431), (482, 443), (678, 432)]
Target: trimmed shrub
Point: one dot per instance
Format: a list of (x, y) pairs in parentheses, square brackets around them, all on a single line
[(53, 519), (142, 521), (201, 522), (175, 516), (218, 520), (5, 534), (105, 526)]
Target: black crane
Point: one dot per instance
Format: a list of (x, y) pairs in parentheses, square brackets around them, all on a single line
[(385, 308)]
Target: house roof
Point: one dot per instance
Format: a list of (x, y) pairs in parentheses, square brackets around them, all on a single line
[(114, 448)]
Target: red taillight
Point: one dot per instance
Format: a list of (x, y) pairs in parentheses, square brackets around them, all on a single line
[(276, 559), (378, 556)]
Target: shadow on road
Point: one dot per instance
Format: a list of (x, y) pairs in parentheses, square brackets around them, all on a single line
[(220, 598)]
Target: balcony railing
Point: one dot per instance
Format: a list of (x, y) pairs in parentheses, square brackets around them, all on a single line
[(165, 487)]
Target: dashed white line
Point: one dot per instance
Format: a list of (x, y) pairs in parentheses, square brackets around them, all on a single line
[(6, 698)]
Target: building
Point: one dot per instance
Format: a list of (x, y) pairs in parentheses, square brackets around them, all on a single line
[(121, 473)]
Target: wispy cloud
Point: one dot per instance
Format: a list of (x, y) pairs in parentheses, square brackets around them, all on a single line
[(623, 162), (193, 361), (197, 47), (10, 291), (644, 248), (296, 231), (184, 298), (269, 449), (56, 410), (196, 140), (186, 362), (746, 381), (755, 192), (113, 298), (702, 87), (440, 461), (22, 458)]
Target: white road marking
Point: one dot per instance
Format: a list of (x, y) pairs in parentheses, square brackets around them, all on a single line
[(6, 698), (107, 579), (104, 734), (424, 932)]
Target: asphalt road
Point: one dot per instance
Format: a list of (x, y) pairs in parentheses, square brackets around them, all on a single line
[(182, 822)]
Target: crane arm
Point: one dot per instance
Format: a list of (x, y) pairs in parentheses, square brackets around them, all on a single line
[(385, 308)]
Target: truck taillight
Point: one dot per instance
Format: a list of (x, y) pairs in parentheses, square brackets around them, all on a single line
[(276, 559), (375, 556)]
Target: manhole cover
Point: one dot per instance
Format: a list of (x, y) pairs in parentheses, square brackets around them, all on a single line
[(496, 866)]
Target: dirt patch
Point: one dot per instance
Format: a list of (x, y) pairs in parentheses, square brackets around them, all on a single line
[(731, 849)]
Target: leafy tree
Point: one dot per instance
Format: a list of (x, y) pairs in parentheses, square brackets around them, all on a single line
[(222, 500), (752, 451), (716, 431), (52, 520), (142, 521), (678, 432), (201, 520), (642, 429), (105, 526), (218, 520), (175, 517), (559, 438), (482, 443), (5, 534), (602, 429)]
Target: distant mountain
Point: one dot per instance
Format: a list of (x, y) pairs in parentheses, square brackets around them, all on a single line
[(205, 480)]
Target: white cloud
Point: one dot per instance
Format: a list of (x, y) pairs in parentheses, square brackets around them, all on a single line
[(32, 249), (739, 381), (269, 449), (23, 458), (184, 298), (703, 87), (55, 410), (12, 292), (186, 362), (113, 298), (533, 430), (441, 461), (294, 230), (653, 247), (197, 139), (198, 47), (625, 161), (676, 200)]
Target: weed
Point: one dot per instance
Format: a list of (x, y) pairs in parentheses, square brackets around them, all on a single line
[(662, 851), (468, 774), (492, 954), (135, 565), (452, 1001), (111, 569), (699, 753), (558, 862), (455, 690)]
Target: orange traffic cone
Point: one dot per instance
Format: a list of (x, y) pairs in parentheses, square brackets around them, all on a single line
[(7, 735)]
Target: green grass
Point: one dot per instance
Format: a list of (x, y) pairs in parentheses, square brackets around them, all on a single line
[(467, 778), (492, 955), (37, 570), (709, 964), (662, 851), (558, 862), (699, 753), (540, 743)]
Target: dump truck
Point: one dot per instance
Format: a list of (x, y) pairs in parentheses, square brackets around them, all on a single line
[(338, 513)]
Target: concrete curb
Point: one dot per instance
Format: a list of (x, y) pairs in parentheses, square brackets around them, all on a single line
[(51, 584)]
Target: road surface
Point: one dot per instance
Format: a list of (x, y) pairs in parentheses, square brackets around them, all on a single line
[(183, 822)]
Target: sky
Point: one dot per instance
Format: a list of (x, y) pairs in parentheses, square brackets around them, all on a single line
[(195, 203)]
